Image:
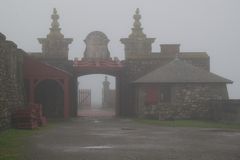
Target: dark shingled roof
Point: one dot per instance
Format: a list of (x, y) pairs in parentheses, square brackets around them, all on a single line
[(179, 71)]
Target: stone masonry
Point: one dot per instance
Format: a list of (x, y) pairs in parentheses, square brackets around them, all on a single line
[(11, 80), (220, 110), (187, 102)]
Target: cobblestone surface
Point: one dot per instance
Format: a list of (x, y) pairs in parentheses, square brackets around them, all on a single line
[(124, 139)]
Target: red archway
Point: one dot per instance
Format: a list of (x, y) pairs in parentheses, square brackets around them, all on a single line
[(101, 66), (35, 72)]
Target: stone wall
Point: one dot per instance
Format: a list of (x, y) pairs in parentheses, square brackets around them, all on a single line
[(138, 68), (191, 101), (218, 110), (225, 110), (11, 80), (3, 78), (172, 111), (188, 93)]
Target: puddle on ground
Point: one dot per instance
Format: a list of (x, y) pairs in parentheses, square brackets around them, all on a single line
[(221, 130), (96, 121), (224, 132), (77, 148), (74, 149), (97, 147), (125, 128), (230, 134)]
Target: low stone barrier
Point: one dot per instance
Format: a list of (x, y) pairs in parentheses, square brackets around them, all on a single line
[(225, 110), (217, 110)]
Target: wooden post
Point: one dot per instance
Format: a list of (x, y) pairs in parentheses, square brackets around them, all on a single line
[(31, 91), (66, 98)]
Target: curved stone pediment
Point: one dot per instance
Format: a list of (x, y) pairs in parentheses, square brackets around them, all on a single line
[(96, 46)]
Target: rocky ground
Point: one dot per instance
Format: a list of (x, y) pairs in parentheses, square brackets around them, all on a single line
[(124, 139)]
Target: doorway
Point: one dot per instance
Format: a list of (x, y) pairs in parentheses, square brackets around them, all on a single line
[(97, 95), (50, 94)]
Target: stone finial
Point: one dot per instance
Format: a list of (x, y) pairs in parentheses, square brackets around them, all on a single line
[(137, 17), (137, 42), (55, 17), (137, 30), (55, 46)]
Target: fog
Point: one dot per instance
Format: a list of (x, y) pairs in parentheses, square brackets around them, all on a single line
[(95, 83), (198, 25)]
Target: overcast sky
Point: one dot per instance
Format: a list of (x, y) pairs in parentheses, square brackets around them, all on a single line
[(198, 25)]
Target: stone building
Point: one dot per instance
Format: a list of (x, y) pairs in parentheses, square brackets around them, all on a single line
[(165, 84), (169, 83), (138, 64), (178, 83)]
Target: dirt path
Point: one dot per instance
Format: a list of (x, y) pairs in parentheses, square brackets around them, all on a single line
[(123, 139)]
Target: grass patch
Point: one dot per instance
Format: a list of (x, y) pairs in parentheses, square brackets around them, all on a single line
[(13, 144), (190, 123)]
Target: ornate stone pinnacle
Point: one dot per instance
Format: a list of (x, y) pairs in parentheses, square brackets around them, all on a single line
[(54, 11), (55, 46), (55, 24), (137, 11), (137, 17), (137, 30)]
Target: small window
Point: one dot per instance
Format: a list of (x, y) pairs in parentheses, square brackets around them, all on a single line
[(164, 94)]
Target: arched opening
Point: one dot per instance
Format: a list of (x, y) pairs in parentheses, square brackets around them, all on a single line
[(97, 95), (50, 94)]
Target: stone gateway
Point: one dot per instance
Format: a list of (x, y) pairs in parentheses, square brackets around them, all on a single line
[(169, 84)]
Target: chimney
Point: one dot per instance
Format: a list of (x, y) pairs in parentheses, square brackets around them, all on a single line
[(170, 49)]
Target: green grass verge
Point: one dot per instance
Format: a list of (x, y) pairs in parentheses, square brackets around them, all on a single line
[(13, 144), (190, 123)]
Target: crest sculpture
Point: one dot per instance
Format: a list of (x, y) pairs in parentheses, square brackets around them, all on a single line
[(96, 46)]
